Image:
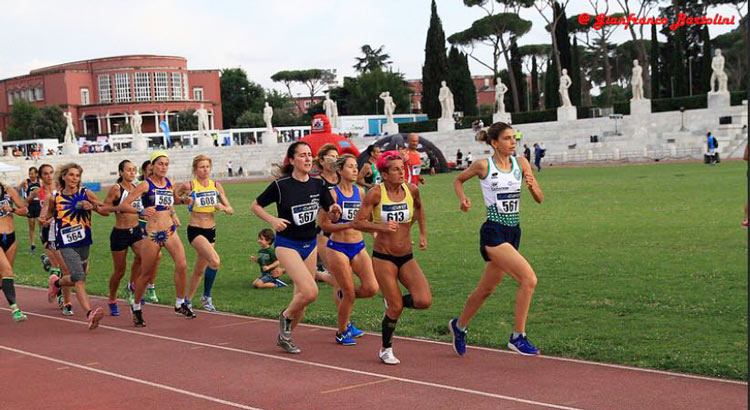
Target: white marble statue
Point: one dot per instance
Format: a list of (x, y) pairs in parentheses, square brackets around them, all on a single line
[(500, 90), (202, 115), (267, 115), (332, 111), (636, 81), (388, 106), (136, 124), (70, 129), (718, 74), (565, 83), (447, 105)]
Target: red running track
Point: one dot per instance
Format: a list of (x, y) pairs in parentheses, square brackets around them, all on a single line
[(221, 361)]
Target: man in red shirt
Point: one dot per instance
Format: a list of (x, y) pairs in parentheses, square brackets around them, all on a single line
[(414, 165)]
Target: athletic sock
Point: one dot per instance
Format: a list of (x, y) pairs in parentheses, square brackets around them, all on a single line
[(388, 327), (9, 290), (13, 308), (151, 286), (462, 329), (178, 302), (208, 281), (407, 301), (136, 306), (517, 334)]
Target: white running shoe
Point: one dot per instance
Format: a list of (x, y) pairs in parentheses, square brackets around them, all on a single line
[(387, 356), (208, 304)]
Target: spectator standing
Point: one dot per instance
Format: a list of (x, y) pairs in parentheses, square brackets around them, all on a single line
[(459, 158), (229, 168), (712, 145), (468, 159), (527, 153)]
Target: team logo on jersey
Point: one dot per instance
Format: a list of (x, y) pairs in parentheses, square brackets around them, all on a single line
[(517, 173)]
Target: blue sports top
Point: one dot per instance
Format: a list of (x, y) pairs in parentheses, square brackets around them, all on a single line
[(349, 204), (161, 197)]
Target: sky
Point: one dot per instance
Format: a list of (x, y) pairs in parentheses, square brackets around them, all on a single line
[(262, 37)]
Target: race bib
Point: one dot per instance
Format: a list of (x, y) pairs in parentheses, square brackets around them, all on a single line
[(349, 210), (508, 203), (206, 198), (163, 197), (416, 170), (72, 234), (304, 214), (377, 180), (395, 212), (2, 205), (137, 205)]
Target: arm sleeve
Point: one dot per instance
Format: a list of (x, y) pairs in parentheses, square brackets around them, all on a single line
[(269, 196), (326, 200)]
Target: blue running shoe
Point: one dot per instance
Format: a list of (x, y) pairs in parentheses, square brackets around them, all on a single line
[(459, 337), (113, 311), (279, 284), (522, 345), (353, 331), (345, 339)]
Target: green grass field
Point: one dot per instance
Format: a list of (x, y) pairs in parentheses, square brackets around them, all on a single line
[(642, 265)]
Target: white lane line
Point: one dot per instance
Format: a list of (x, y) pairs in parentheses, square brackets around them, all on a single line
[(321, 365), (132, 379), (236, 324), (482, 348), (355, 386)]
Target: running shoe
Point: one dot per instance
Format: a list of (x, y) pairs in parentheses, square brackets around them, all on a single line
[(353, 331), (151, 295), (279, 284), (285, 326), (187, 310), (345, 339), (94, 317), (287, 345), (113, 311), (386, 356), (60, 301), (459, 337), (32, 249), (207, 303), (52, 289), (137, 317), (746, 223), (522, 345), (46, 264), (18, 316), (67, 310), (129, 294)]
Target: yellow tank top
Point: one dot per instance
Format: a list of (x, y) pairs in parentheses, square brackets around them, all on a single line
[(205, 198), (388, 210)]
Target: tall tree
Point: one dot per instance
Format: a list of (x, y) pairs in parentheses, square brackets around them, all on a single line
[(551, 85), (285, 77), (642, 8), (460, 82), (494, 30), (314, 79), (49, 123), (705, 67), (372, 59), (575, 75), (518, 76), (543, 7), (359, 96), (562, 37), (435, 68), (184, 120), (22, 120), (655, 84), (238, 94), (534, 85)]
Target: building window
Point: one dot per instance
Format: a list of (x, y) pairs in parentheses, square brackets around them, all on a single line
[(85, 96), (185, 88), (105, 89), (122, 87), (307, 104), (29, 95), (142, 87), (10, 98), (39, 94), (16, 96), (486, 82), (198, 94), (160, 86), (177, 86)]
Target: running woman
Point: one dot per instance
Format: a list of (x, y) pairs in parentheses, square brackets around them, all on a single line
[(206, 197), (71, 208), (146, 171), (501, 178), (326, 164), (298, 198), (369, 176), (8, 198), (51, 259), (126, 233), (393, 206), (28, 186), (346, 250), (158, 200)]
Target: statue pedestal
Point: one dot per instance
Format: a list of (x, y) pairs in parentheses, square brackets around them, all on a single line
[(446, 124), (70, 148), (640, 107), (391, 128), (718, 100), (139, 144), (270, 137), (501, 117), (567, 113)]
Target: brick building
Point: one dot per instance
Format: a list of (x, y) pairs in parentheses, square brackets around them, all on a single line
[(103, 93), (483, 84)]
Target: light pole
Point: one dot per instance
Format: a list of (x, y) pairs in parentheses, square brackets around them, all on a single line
[(616, 117), (682, 119), (376, 106), (690, 73)]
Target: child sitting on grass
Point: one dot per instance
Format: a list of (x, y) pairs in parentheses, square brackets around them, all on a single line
[(270, 269)]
